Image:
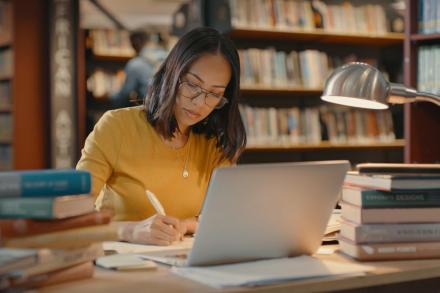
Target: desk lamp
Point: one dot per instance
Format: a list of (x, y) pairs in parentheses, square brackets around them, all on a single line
[(364, 86)]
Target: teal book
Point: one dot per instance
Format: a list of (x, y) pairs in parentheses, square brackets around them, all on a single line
[(46, 207), (44, 183), (369, 198)]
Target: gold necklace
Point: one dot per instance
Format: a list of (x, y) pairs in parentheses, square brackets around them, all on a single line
[(185, 172)]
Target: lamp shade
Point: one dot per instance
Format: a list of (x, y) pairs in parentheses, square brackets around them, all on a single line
[(357, 85)]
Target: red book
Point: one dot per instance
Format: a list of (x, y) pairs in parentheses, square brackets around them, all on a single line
[(76, 272), (13, 228)]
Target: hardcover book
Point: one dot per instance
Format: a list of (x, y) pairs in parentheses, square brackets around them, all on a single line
[(386, 233), (390, 251), (371, 198), (46, 207), (72, 238), (389, 215), (390, 182), (44, 183), (12, 228)]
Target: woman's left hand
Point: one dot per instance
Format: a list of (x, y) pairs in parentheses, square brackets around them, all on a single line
[(188, 226)]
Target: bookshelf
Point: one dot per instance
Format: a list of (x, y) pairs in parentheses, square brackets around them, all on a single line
[(422, 120), (255, 30), (318, 35), (104, 54), (24, 131)]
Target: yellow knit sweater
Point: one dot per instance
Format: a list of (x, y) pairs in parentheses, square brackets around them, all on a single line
[(125, 152)]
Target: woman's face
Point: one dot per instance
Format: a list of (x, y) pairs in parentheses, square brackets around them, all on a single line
[(208, 75)]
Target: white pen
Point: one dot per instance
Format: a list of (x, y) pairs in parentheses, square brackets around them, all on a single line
[(155, 202)]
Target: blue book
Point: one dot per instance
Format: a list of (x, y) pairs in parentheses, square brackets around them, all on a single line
[(44, 183), (46, 207)]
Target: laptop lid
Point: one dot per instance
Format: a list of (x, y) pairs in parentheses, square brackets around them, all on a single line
[(262, 211)]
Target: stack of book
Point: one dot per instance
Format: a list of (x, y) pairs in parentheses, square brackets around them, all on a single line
[(49, 230), (391, 212)]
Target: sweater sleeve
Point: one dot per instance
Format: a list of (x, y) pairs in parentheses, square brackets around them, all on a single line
[(101, 150)]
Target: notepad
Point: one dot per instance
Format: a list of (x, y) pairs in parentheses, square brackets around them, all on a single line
[(125, 262), (271, 271)]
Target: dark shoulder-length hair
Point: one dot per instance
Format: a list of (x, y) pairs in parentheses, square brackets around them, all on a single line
[(225, 124)]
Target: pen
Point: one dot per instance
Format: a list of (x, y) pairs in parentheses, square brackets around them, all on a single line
[(155, 202)]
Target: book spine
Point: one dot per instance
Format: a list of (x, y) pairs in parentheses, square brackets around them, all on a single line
[(359, 215), (10, 228), (385, 233), (76, 272), (66, 239), (391, 251), (377, 198), (34, 208), (44, 183)]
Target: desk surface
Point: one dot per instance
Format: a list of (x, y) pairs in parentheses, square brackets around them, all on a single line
[(162, 280)]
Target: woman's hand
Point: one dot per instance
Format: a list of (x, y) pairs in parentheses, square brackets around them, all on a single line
[(156, 230), (188, 226)]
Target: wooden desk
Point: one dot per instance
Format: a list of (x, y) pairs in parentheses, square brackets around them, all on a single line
[(388, 276)]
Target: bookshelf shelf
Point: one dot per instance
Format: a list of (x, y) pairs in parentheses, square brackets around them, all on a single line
[(5, 77), (256, 89), (5, 42), (425, 37), (318, 35), (5, 110), (397, 144), (111, 58)]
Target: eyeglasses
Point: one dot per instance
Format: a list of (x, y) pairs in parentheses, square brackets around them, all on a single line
[(192, 91)]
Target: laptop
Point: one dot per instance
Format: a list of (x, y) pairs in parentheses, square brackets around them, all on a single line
[(262, 211)]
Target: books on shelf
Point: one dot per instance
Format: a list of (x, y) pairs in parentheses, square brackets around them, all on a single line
[(104, 83), (5, 96), (287, 126), (307, 15), (307, 69), (428, 16), (6, 127), (5, 157), (270, 126), (46, 207), (110, 42), (45, 183), (5, 22), (6, 62), (392, 215), (428, 75)]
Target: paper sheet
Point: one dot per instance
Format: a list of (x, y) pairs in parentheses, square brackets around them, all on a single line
[(268, 271), (125, 247)]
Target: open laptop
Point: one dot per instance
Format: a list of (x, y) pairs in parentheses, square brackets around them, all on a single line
[(261, 211)]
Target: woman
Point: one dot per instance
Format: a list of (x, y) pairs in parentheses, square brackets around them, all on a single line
[(189, 125)]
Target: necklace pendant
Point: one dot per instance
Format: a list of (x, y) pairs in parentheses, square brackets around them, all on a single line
[(185, 173)]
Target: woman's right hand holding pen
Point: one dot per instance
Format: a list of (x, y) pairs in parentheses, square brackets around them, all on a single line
[(156, 230)]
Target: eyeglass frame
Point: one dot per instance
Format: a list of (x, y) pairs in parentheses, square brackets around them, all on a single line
[(206, 93)]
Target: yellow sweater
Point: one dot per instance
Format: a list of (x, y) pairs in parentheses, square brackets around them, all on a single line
[(125, 152)]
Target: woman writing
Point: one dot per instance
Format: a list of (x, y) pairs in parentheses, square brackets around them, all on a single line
[(188, 125)]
